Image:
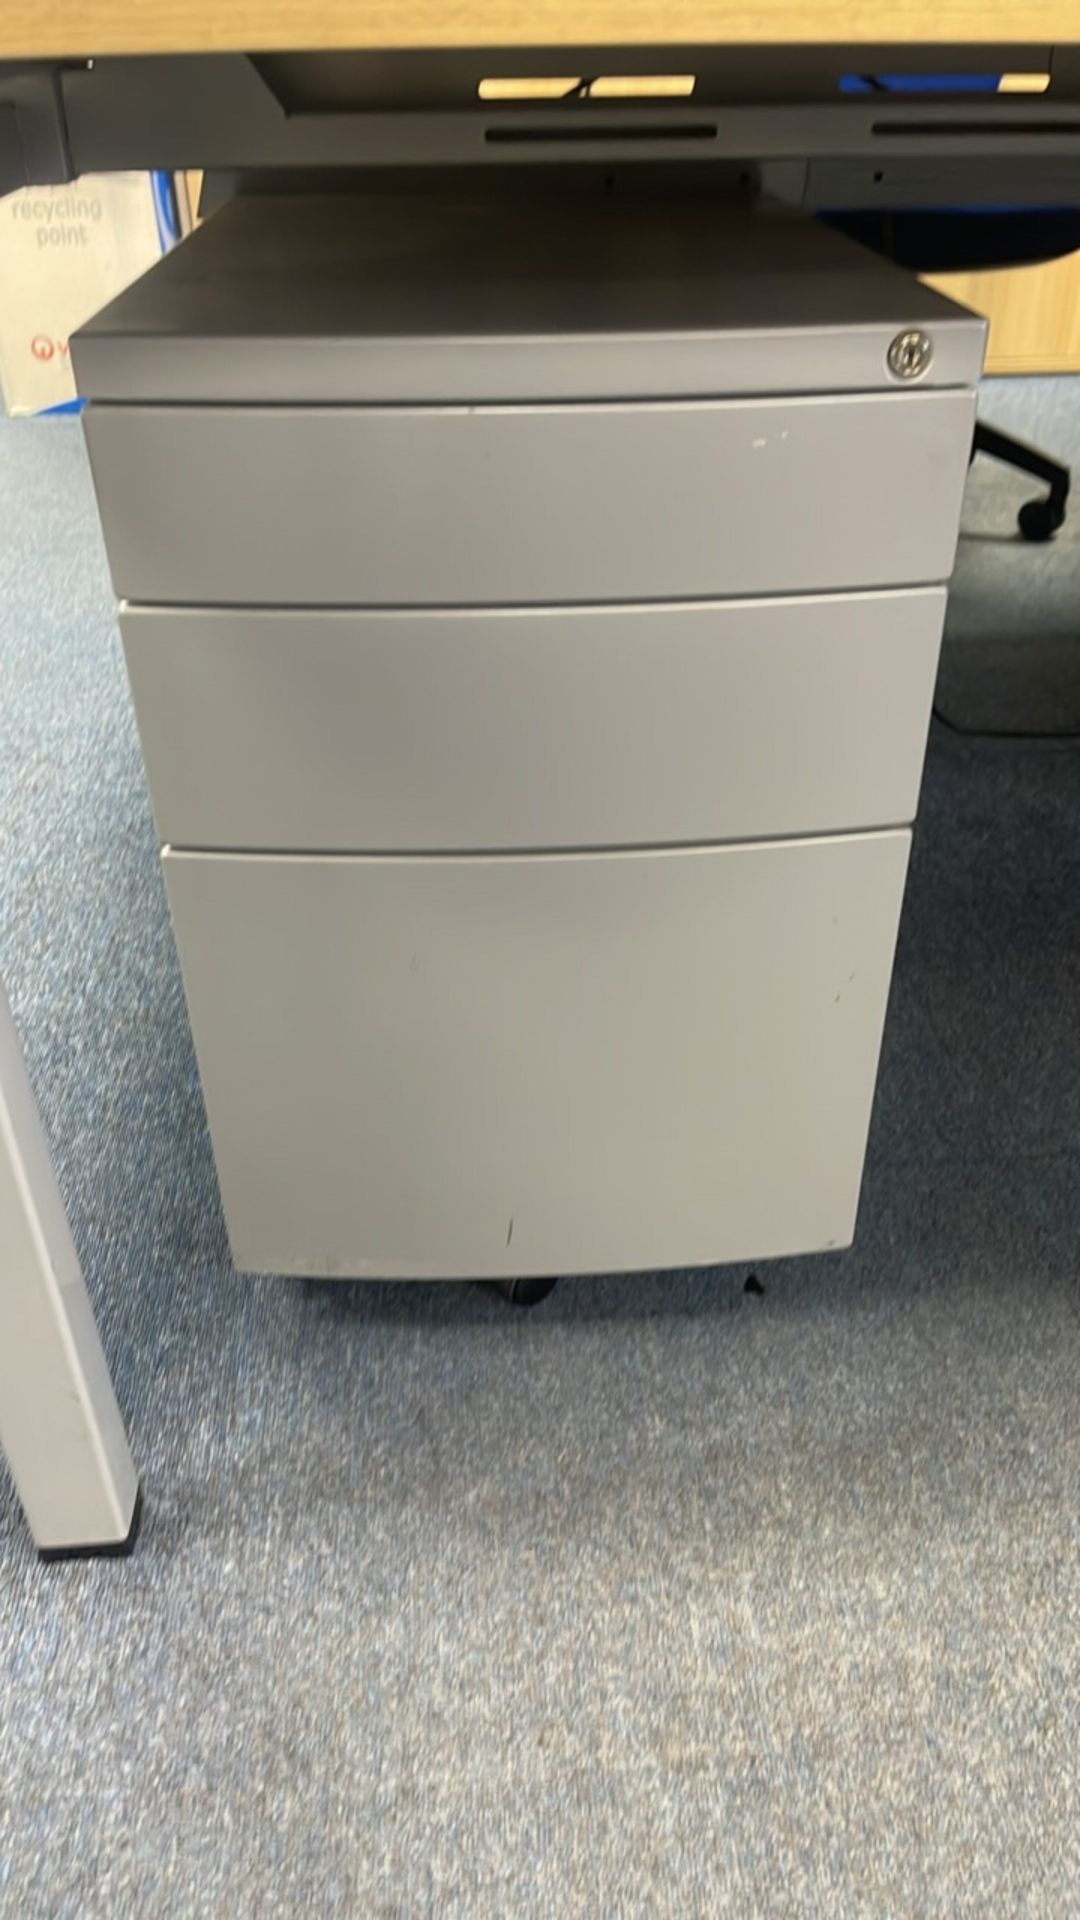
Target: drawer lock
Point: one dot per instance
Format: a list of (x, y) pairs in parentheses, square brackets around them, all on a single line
[(910, 354)]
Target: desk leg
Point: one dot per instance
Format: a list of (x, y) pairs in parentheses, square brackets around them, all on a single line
[(60, 1426)]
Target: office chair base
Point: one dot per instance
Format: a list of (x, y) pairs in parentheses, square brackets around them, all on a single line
[(1040, 519), (525, 1293)]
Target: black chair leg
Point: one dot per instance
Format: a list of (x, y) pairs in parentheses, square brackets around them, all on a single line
[(1037, 519)]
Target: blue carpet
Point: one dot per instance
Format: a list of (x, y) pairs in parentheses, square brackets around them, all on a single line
[(665, 1600)]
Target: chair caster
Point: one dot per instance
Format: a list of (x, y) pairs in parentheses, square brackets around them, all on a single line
[(1040, 519), (525, 1293)]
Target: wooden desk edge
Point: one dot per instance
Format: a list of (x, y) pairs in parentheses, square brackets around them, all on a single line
[(81, 29)]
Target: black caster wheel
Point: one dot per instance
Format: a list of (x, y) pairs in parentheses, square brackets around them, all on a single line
[(1040, 519), (524, 1293)]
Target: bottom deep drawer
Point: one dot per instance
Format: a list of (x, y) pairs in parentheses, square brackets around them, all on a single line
[(467, 1066)]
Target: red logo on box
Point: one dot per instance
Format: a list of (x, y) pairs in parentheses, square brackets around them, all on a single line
[(42, 347)]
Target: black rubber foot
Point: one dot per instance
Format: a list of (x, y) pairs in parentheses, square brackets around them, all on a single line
[(100, 1549), (1040, 519), (524, 1293)]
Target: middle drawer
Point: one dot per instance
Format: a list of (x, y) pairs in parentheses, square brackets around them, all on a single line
[(382, 731)]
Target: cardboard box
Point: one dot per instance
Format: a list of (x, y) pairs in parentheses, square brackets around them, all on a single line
[(64, 252)]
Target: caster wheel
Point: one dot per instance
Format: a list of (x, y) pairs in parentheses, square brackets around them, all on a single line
[(1040, 519), (525, 1293)]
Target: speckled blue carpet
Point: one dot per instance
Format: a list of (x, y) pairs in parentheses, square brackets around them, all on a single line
[(665, 1600)]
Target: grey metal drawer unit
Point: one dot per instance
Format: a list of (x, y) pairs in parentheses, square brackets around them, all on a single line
[(532, 616)]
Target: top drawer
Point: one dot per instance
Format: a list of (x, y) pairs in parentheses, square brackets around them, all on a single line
[(504, 505)]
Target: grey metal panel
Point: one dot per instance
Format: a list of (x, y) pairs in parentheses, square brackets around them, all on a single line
[(216, 111), (350, 298), (609, 726), (466, 506), (354, 81), (468, 1067)]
